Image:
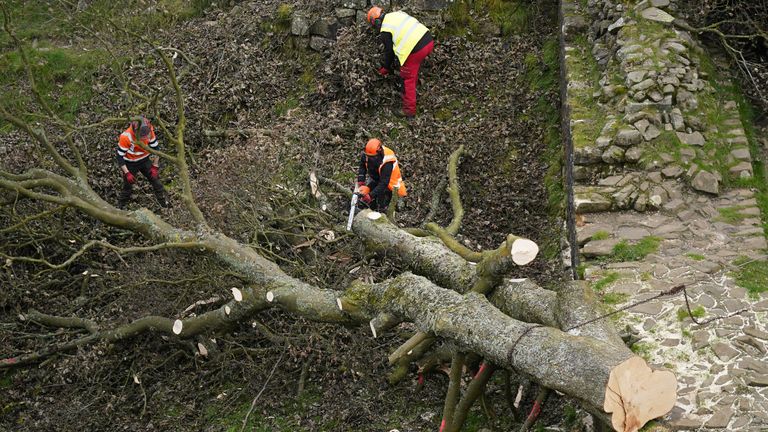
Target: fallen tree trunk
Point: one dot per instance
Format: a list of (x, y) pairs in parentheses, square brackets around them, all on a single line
[(575, 365)]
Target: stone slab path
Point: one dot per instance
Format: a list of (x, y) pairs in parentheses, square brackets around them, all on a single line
[(722, 367)]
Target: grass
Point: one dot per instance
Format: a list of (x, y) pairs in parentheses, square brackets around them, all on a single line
[(643, 349), (615, 298), (624, 251), (285, 420), (287, 104), (697, 312), (66, 72), (752, 275), (695, 256), (587, 116), (606, 280), (545, 79), (731, 214), (668, 143), (511, 16), (601, 235)]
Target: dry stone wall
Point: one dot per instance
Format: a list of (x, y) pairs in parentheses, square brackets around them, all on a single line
[(655, 104), (319, 31), (659, 149)]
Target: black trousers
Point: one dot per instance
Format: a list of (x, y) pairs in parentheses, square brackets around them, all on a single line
[(143, 166), (379, 203)]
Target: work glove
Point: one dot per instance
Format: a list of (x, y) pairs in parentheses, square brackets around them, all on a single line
[(153, 172), (129, 178), (383, 71), (366, 198), (360, 183)]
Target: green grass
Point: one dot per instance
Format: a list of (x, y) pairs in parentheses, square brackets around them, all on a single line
[(695, 256), (697, 312), (287, 104), (615, 298), (624, 251), (606, 280), (643, 349), (752, 275), (668, 143), (511, 16), (66, 72), (586, 115), (760, 179), (731, 214), (601, 235), (287, 419)]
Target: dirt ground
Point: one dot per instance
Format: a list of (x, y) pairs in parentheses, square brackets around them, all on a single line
[(312, 111)]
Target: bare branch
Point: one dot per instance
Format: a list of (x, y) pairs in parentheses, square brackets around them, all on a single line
[(93, 243)]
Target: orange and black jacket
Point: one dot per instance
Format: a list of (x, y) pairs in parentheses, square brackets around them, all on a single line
[(379, 180), (129, 149)]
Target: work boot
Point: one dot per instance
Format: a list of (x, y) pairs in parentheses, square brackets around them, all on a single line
[(403, 114)]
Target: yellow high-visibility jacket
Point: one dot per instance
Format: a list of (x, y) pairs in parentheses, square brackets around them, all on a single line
[(406, 32)]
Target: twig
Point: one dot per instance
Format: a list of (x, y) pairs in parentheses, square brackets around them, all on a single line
[(253, 404)]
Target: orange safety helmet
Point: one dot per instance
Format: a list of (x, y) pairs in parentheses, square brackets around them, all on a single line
[(372, 147), (374, 15)]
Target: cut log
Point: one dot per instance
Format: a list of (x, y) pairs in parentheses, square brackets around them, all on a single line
[(636, 394), (523, 251)]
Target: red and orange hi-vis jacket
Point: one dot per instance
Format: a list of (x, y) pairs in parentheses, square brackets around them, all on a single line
[(129, 150)]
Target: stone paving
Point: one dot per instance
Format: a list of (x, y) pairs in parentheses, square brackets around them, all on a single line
[(722, 367), (630, 190)]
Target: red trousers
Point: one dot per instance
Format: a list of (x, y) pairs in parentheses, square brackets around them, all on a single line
[(409, 72)]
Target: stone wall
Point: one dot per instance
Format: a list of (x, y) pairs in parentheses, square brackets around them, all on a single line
[(320, 31), (653, 109)]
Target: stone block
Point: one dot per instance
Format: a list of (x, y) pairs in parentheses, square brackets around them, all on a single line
[(706, 182), (676, 116), (599, 247), (628, 137), (318, 43), (652, 132), (613, 155), (695, 138), (591, 202), (741, 154), (587, 155), (644, 85), (345, 14), (325, 28), (300, 26), (633, 154), (656, 14), (635, 77), (724, 351), (354, 4), (740, 168)]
